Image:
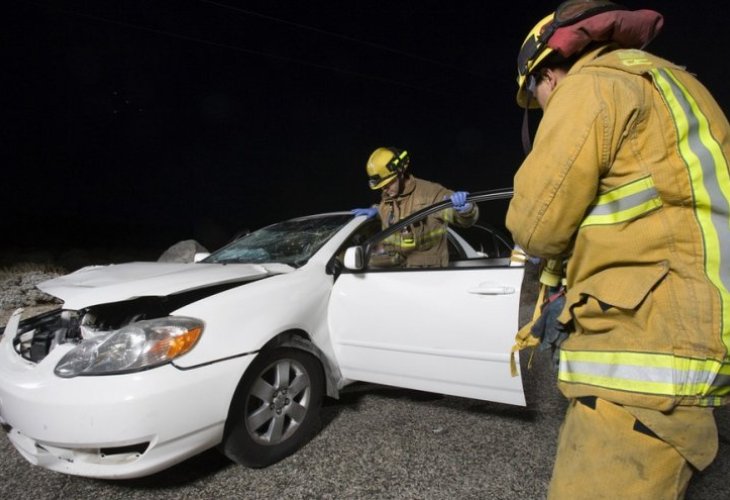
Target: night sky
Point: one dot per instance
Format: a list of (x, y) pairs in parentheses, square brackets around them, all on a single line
[(136, 124)]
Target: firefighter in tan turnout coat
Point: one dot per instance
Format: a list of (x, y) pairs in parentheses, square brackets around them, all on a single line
[(628, 182), (423, 244)]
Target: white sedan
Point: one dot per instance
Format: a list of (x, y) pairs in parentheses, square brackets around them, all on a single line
[(147, 364)]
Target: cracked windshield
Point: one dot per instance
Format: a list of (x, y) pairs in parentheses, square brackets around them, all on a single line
[(292, 242)]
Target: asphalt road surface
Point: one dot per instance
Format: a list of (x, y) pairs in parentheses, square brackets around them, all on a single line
[(377, 442)]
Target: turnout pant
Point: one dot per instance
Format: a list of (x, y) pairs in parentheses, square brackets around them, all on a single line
[(604, 452)]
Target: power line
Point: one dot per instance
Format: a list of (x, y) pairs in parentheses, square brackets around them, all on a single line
[(241, 49), (341, 36)]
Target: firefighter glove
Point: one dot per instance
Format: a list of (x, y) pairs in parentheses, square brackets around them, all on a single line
[(547, 328), (459, 201), (369, 212)]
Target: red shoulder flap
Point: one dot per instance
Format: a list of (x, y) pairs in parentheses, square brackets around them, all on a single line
[(628, 28)]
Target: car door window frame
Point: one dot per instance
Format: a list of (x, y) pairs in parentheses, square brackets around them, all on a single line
[(479, 197)]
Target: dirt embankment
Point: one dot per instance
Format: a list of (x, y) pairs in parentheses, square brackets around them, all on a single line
[(18, 289)]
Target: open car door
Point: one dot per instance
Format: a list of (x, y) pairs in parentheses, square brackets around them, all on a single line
[(447, 329)]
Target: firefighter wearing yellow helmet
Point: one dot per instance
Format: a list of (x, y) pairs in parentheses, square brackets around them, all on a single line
[(384, 165), (527, 67), (628, 183), (425, 244)]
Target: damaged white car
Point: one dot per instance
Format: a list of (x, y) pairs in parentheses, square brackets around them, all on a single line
[(147, 364)]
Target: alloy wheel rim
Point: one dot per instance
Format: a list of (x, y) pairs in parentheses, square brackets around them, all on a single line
[(278, 402)]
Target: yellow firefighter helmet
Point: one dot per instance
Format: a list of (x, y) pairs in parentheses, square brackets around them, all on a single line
[(532, 53), (535, 48), (384, 165)]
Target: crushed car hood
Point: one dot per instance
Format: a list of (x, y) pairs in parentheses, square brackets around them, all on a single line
[(103, 284)]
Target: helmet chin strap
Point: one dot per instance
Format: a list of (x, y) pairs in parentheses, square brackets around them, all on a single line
[(401, 183), (530, 95), (526, 142)]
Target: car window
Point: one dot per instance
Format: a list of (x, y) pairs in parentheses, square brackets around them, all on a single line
[(291, 242), (359, 236), (484, 242)]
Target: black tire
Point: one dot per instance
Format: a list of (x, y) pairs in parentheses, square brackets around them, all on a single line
[(275, 409)]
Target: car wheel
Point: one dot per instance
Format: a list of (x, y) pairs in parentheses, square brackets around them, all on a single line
[(275, 409)]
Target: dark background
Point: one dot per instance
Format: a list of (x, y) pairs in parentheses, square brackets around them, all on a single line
[(135, 124)]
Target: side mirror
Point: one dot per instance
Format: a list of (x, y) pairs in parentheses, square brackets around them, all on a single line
[(200, 256), (354, 259)]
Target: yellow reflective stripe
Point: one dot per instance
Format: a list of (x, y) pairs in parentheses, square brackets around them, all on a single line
[(435, 235), (395, 241), (517, 257), (614, 195), (657, 374), (708, 171), (448, 215), (424, 242), (624, 203), (405, 243)]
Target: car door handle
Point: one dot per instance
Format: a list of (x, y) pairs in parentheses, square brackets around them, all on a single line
[(492, 290)]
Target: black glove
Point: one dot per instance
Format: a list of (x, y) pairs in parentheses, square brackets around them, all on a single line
[(547, 328)]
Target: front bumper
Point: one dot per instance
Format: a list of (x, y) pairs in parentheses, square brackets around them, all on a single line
[(114, 426)]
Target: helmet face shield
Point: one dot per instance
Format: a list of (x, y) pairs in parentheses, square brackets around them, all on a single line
[(377, 182)]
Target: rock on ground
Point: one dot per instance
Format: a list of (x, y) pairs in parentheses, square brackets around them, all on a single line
[(19, 290), (182, 251)]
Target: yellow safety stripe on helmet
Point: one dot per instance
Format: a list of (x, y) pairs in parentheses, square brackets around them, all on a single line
[(708, 173), (624, 203), (648, 373)]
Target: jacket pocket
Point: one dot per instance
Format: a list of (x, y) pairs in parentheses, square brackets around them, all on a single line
[(596, 304)]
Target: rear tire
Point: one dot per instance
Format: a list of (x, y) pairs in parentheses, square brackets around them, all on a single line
[(275, 409)]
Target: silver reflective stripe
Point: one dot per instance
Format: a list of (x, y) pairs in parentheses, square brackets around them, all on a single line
[(626, 203), (719, 209), (654, 380), (647, 373)]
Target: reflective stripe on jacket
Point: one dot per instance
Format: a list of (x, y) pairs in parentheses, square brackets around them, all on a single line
[(629, 175)]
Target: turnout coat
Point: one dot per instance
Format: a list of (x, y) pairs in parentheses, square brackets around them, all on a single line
[(629, 181), (425, 244)]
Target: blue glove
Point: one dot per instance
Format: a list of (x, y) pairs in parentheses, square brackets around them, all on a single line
[(547, 328), (369, 212), (459, 201)]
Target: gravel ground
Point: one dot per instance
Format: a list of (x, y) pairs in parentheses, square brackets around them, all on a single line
[(377, 442)]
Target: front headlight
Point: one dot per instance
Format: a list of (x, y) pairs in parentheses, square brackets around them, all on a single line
[(137, 346)]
